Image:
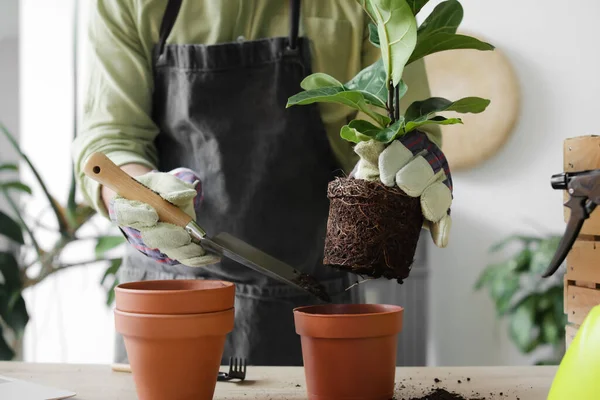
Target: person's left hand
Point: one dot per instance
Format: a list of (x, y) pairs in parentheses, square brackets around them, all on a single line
[(419, 168)]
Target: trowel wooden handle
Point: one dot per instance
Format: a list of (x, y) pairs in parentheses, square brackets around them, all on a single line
[(101, 169)]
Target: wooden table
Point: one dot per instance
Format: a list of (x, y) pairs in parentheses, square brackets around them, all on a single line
[(99, 382)]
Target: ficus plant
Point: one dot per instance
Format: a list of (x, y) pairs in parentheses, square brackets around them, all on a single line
[(393, 29), (27, 261)]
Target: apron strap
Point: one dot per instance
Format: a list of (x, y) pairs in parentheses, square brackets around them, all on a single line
[(294, 22), (167, 23)]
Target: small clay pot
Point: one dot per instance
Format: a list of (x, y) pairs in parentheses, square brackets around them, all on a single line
[(349, 350), (175, 357), (178, 296)]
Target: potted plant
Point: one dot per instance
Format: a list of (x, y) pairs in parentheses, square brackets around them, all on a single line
[(533, 306), (373, 228)]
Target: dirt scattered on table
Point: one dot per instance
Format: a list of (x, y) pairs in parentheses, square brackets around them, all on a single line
[(443, 394)]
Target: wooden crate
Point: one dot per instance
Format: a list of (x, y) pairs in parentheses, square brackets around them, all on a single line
[(582, 280)]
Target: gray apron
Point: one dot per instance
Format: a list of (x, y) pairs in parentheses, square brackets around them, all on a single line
[(264, 170)]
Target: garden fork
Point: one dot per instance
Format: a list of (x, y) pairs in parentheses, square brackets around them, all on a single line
[(237, 370)]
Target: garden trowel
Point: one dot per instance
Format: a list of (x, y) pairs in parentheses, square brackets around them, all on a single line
[(103, 170), (584, 195)]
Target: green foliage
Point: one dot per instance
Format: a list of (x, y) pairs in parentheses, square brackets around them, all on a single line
[(534, 308), (18, 227), (397, 31), (393, 29)]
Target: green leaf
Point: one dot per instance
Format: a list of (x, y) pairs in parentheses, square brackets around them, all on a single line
[(16, 317), (438, 120), (502, 244), (359, 131), (319, 80), (107, 243), (397, 28), (9, 167), (112, 269), (391, 132), (9, 268), (10, 229), (445, 17), (426, 109), (373, 35), (522, 324), (110, 295), (350, 98), (549, 329), (15, 185), (6, 353), (441, 41), (542, 256), (368, 7), (502, 289), (371, 82), (485, 277), (416, 5)]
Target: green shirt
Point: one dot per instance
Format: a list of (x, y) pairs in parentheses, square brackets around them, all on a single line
[(116, 115)]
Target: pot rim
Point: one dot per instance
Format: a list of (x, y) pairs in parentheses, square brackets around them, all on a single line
[(386, 309), (173, 316), (126, 287)]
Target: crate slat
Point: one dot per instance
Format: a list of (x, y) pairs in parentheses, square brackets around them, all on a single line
[(580, 300), (570, 332), (580, 154), (583, 261)]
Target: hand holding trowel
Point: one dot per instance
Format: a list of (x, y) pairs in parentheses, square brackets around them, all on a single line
[(584, 196), (103, 170)]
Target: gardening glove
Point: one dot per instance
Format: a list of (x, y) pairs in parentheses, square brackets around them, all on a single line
[(577, 375), (419, 168), (161, 241)]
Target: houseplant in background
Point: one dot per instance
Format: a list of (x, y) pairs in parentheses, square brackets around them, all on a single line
[(35, 262), (533, 306), (373, 225)]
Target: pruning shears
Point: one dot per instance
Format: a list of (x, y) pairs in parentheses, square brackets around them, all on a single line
[(584, 195)]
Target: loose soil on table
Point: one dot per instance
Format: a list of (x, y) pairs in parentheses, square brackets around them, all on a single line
[(309, 283), (372, 229), (442, 394)]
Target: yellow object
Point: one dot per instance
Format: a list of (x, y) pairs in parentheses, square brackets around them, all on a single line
[(578, 376), (116, 115)]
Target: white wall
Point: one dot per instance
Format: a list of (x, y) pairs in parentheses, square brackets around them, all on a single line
[(554, 50), (554, 53), (9, 71)]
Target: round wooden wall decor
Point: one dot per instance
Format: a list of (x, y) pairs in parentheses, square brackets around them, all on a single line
[(455, 74)]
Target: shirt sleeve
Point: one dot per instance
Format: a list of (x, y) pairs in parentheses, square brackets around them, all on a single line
[(116, 115)]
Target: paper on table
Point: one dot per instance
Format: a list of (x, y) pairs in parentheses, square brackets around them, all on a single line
[(14, 389)]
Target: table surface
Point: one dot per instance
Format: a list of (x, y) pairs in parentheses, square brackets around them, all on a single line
[(99, 382)]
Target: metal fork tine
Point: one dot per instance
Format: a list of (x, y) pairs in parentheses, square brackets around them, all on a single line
[(245, 367), (230, 365), (235, 362)]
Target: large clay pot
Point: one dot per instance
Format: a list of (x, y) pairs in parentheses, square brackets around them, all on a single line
[(349, 350), (175, 357), (179, 296)]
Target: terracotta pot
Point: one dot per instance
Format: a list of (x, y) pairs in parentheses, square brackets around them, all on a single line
[(179, 296), (175, 357), (349, 350)]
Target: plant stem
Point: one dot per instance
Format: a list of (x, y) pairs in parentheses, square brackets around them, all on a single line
[(61, 267), (62, 223)]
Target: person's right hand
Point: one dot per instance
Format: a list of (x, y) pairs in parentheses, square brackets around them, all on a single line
[(163, 242)]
